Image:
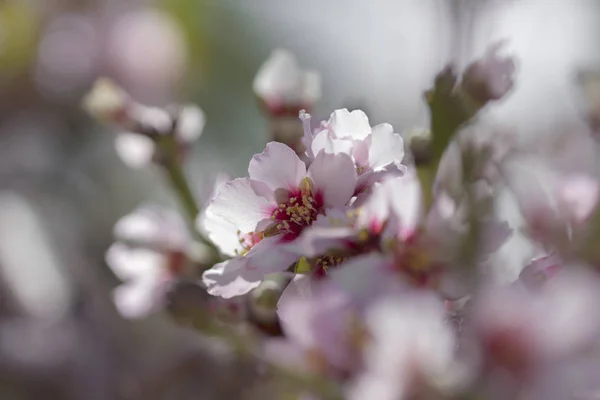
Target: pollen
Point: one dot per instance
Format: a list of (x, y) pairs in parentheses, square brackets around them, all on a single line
[(299, 211)]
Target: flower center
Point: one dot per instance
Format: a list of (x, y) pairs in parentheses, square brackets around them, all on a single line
[(299, 211), (248, 241)]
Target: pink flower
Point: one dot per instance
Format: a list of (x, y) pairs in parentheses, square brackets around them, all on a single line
[(284, 87), (377, 152), (141, 126), (522, 331), (153, 248), (411, 350), (274, 205), (322, 328)]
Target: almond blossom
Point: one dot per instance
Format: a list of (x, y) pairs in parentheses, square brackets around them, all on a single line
[(411, 351), (153, 249), (142, 126), (323, 330), (284, 87), (271, 208), (376, 151)]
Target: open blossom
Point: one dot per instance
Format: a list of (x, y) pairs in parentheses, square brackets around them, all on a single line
[(271, 208), (411, 351), (323, 330), (376, 151), (284, 87), (141, 125), (153, 248), (531, 334)]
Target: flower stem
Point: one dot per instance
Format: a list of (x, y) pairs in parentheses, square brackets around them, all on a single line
[(182, 189)]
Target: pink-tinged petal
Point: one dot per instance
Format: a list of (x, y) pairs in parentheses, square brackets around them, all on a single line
[(368, 178), (278, 166), (360, 151), (364, 277), (221, 232), (244, 202), (295, 311), (345, 124), (230, 278), (135, 150), (578, 196), (407, 201), (334, 176), (269, 256), (190, 123), (317, 240), (137, 299), (323, 141), (133, 262), (386, 148)]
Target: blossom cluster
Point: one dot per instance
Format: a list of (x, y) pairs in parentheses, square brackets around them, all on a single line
[(360, 269)]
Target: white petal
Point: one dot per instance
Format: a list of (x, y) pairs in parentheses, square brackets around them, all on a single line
[(131, 263), (137, 299), (345, 124), (278, 166), (311, 88), (244, 203), (407, 201), (335, 177), (221, 232), (364, 277), (190, 123), (269, 256), (323, 141), (386, 148), (279, 79), (135, 150), (153, 225), (230, 278)]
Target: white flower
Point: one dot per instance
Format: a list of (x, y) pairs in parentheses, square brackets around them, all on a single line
[(153, 247), (283, 85), (274, 205), (411, 349), (377, 152), (141, 126), (521, 330)]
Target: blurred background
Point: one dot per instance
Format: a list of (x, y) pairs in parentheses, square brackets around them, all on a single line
[(62, 186)]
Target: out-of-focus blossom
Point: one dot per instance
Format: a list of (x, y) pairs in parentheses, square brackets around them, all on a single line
[(272, 207), (284, 87), (147, 50), (411, 351), (523, 331), (377, 151), (425, 251), (142, 126), (153, 248), (324, 332), (490, 78)]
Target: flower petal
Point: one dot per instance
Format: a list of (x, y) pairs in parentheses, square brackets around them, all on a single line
[(278, 166), (334, 176), (363, 277), (323, 141), (221, 232), (137, 299), (230, 278), (135, 150), (244, 203), (269, 256), (131, 263), (386, 147), (190, 123), (345, 124)]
